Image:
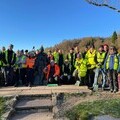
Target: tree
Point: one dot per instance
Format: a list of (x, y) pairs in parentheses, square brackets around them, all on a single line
[(114, 37)]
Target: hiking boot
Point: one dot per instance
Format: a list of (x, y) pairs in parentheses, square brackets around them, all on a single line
[(29, 85), (111, 90), (115, 91), (16, 85), (102, 88)]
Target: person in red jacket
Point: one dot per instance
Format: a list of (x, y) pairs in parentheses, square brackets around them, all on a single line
[(30, 70), (52, 72)]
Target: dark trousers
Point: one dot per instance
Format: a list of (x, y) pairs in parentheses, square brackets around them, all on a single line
[(2, 81), (30, 76), (83, 81), (112, 76), (8, 75), (20, 76), (51, 80), (90, 77)]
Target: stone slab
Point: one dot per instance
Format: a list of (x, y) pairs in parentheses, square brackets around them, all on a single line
[(33, 103), (4, 91), (33, 116)]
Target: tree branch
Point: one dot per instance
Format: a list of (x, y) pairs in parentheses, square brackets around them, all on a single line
[(100, 5)]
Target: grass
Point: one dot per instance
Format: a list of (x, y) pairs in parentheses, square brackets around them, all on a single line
[(2, 106), (89, 109), (68, 95)]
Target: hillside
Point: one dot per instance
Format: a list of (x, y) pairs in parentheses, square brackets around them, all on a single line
[(81, 43)]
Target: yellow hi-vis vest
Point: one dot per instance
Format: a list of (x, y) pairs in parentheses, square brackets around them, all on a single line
[(91, 59), (77, 63), (82, 68), (6, 57), (22, 65), (23, 59), (56, 57), (100, 58), (116, 62), (70, 59)]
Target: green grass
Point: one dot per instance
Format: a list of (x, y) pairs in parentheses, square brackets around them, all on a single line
[(2, 106), (88, 109)]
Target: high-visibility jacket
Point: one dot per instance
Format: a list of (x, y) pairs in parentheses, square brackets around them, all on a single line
[(91, 59), (1, 63), (116, 62), (30, 62), (70, 58), (100, 58), (6, 58), (77, 63), (57, 70), (21, 61), (56, 57), (118, 55), (82, 68)]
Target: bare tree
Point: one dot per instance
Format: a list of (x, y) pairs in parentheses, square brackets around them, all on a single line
[(112, 4)]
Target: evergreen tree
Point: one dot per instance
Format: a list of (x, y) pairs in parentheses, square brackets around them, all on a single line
[(114, 37)]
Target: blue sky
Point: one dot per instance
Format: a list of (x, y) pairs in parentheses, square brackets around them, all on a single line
[(28, 23)]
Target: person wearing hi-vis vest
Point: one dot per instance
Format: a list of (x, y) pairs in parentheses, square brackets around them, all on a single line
[(71, 58), (81, 69), (91, 65), (100, 57), (112, 67), (20, 68), (9, 59)]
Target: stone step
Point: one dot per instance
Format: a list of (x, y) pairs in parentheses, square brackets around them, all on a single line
[(41, 96), (33, 116), (27, 104)]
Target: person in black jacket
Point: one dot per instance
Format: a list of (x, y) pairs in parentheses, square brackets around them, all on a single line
[(9, 59), (40, 63)]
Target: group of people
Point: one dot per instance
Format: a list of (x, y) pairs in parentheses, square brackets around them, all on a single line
[(54, 67)]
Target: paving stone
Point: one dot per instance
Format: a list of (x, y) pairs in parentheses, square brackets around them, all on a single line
[(34, 116), (41, 90), (33, 103)]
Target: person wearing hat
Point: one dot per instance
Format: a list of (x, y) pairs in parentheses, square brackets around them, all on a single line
[(111, 67), (100, 57), (9, 59), (40, 63), (52, 72), (26, 53)]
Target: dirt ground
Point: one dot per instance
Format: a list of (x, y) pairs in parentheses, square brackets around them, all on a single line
[(69, 101)]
